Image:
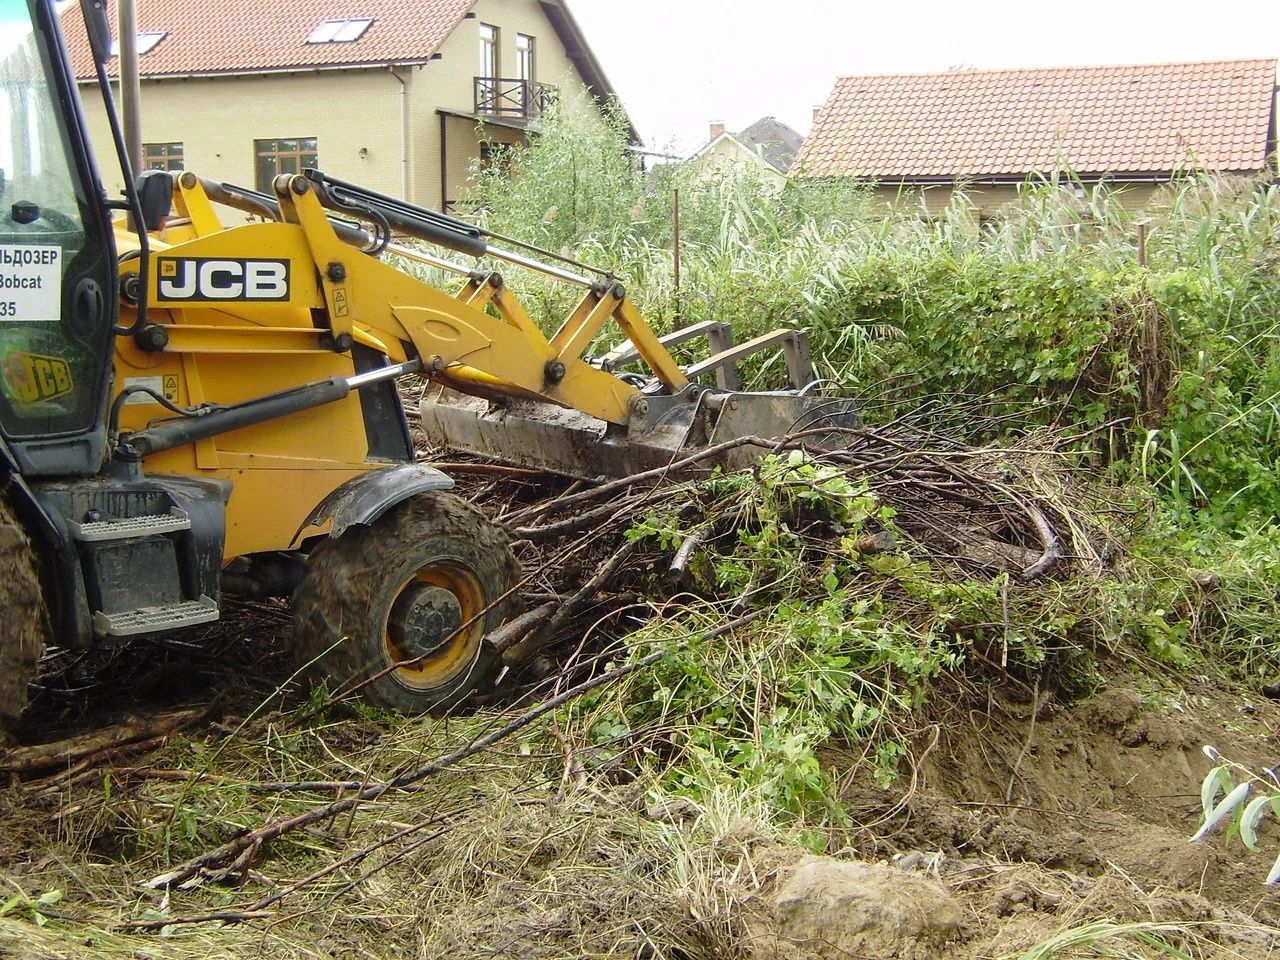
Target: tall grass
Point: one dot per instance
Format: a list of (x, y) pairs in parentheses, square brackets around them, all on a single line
[(1172, 366)]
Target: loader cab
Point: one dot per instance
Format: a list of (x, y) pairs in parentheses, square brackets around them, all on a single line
[(57, 257)]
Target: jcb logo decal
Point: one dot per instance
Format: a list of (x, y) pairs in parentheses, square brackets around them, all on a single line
[(201, 278), (34, 378)]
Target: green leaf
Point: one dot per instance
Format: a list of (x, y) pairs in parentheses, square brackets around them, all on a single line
[(1214, 783), (1222, 810), (1249, 820)]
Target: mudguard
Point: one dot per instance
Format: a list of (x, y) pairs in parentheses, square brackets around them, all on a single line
[(365, 498)]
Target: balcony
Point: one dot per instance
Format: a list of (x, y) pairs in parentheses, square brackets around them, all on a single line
[(514, 99)]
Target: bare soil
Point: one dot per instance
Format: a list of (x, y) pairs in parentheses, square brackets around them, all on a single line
[(1035, 813), (1016, 818)]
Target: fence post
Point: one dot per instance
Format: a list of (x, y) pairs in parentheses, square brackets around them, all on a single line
[(675, 242)]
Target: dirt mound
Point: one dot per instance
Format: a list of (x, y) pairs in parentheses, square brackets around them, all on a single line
[(1036, 815), (828, 908), (24, 619)]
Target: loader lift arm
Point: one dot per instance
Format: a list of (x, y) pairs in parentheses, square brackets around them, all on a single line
[(457, 341), (499, 378)]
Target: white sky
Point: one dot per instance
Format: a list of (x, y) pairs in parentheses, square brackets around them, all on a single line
[(680, 64)]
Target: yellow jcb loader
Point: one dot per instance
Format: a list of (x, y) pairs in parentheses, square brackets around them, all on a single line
[(188, 409)]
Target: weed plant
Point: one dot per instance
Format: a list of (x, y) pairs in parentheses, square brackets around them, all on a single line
[(1162, 377), (1171, 367)]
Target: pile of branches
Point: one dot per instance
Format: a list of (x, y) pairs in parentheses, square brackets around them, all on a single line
[(593, 574), (601, 560), (1020, 510)]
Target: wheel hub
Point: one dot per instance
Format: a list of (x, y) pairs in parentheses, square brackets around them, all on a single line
[(423, 619)]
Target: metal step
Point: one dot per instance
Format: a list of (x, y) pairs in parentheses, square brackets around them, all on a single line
[(128, 528), (153, 619)]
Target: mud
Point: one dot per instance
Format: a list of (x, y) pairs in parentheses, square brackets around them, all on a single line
[(1084, 813)]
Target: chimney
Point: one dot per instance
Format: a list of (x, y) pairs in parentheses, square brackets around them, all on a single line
[(816, 111), (717, 130)]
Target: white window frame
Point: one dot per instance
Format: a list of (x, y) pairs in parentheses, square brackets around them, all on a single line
[(526, 57), (340, 31), (147, 41), (490, 41)]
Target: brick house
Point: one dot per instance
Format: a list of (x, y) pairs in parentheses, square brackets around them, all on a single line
[(398, 95), (919, 136)]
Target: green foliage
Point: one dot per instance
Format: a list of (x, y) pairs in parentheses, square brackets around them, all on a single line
[(857, 632), (1192, 593), (829, 662), (577, 184), (1167, 374), (1173, 367), (33, 908), (1223, 800)]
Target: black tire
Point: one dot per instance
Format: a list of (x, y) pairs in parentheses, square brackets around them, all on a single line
[(382, 594), (23, 626)]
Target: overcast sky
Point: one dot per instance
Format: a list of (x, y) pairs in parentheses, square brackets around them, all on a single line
[(680, 64)]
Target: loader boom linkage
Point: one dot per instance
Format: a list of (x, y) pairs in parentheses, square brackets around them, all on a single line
[(460, 344)]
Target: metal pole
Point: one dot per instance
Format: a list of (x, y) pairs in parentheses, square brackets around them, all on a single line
[(675, 242), (1142, 244), (130, 85)]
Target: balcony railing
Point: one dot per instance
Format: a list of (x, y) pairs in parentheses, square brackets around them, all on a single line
[(508, 97)]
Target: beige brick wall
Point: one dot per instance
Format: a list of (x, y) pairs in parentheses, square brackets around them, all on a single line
[(989, 199), (449, 83), (217, 119)]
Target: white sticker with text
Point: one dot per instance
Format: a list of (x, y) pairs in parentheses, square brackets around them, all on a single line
[(155, 383), (30, 282)]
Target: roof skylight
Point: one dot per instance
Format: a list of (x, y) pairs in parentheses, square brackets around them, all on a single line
[(340, 31), (146, 42)]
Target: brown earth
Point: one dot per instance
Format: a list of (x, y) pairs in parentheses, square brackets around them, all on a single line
[(1038, 815), (21, 618), (1016, 818)]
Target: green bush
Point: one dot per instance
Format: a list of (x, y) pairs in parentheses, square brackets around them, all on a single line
[(1045, 318)]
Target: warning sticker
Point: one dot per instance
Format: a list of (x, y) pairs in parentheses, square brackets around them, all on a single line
[(30, 282), (166, 386)]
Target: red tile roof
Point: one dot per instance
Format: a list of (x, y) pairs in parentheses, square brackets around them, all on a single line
[(238, 36), (1009, 123)]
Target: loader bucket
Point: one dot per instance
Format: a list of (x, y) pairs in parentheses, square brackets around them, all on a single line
[(664, 431)]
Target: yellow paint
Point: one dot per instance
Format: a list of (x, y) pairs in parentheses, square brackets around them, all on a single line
[(225, 348), (31, 378)]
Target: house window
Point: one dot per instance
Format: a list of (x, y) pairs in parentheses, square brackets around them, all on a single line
[(524, 72), (496, 156), (524, 57), (273, 157), (489, 61), (162, 156), (340, 31)]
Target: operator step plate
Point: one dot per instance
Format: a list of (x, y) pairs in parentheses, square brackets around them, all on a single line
[(175, 616), (128, 528)]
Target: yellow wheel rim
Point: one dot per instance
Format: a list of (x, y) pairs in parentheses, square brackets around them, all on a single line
[(433, 627)]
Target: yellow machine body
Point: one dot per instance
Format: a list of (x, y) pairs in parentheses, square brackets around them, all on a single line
[(238, 345)]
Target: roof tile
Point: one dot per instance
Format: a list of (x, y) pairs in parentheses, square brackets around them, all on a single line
[(238, 36), (1150, 118)]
